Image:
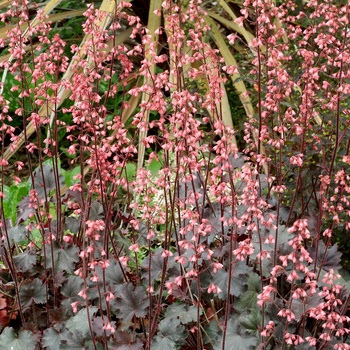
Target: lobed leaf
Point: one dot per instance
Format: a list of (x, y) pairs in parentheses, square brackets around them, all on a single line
[(131, 302), (327, 257), (171, 334), (80, 322), (65, 256), (44, 180), (251, 321), (237, 338), (248, 299), (9, 340), (237, 286), (32, 292), (124, 341), (25, 261), (52, 339), (184, 313)]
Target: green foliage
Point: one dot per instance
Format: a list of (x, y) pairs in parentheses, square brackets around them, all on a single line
[(154, 167), (14, 195)]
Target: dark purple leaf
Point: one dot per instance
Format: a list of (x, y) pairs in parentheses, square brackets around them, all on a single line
[(58, 279), (25, 261), (32, 292), (97, 326), (45, 180), (72, 224), (301, 307), (24, 211), (73, 286), (240, 273), (327, 258), (17, 234), (124, 341), (171, 335), (163, 343), (184, 313), (113, 273), (187, 189), (157, 263), (52, 339), (65, 257), (75, 341), (237, 338), (96, 211), (236, 161), (70, 291), (80, 322), (248, 299), (11, 341), (213, 213), (131, 302)]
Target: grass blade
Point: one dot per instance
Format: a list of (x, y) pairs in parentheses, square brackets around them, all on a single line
[(154, 22), (236, 78)]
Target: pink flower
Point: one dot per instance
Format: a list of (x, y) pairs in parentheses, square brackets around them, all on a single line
[(288, 314), (297, 160), (75, 306), (134, 248), (166, 253), (245, 248), (214, 289)]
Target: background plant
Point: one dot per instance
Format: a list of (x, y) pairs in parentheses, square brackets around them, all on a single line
[(132, 217)]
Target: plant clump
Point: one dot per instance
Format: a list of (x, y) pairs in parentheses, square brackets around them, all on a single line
[(131, 217)]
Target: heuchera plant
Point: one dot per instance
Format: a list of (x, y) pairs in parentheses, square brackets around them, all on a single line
[(132, 219)]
